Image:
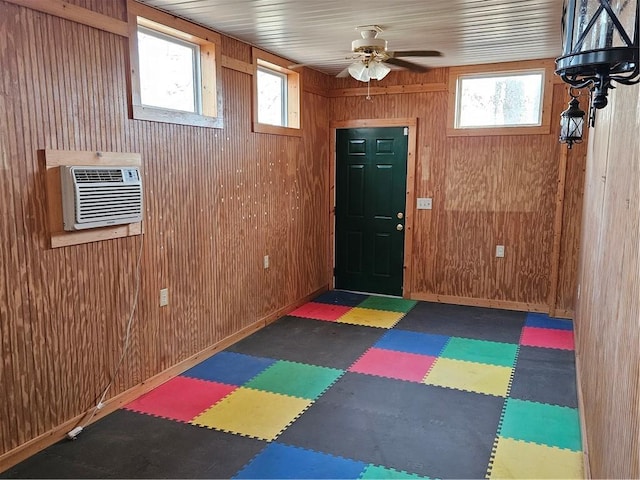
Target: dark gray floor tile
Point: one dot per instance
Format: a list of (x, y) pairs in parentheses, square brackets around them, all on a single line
[(317, 342), (462, 321)]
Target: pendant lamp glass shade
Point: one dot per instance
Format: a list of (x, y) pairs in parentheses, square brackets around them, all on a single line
[(572, 123), (600, 45), (367, 71)]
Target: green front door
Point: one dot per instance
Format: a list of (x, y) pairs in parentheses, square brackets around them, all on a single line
[(371, 178)]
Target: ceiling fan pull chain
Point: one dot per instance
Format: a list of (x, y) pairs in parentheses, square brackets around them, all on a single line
[(368, 90)]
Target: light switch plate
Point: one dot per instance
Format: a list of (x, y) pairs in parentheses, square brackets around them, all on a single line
[(499, 251)]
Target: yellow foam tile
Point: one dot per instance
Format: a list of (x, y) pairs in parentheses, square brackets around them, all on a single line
[(253, 413), (371, 318), (518, 459), (470, 376)]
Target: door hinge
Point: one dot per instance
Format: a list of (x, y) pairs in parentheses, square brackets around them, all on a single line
[(406, 131)]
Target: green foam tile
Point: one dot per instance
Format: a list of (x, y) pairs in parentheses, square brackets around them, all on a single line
[(481, 351), (374, 471), (389, 304), (295, 379), (541, 423)]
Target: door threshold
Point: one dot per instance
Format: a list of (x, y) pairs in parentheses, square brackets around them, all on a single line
[(367, 293)]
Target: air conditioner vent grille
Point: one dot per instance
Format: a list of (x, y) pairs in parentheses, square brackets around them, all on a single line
[(104, 202), (100, 196), (95, 175)]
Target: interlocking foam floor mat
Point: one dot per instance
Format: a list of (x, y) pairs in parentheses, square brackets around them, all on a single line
[(353, 386)]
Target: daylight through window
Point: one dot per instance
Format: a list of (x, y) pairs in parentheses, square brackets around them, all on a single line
[(169, 71), (499, 100), (272, 97)]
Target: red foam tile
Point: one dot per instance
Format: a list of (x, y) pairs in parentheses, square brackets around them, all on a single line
[(547, 338), (392, 364), (321, 311), (180, 398)]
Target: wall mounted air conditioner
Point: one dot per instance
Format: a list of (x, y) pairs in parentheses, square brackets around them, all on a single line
[(100, 196)]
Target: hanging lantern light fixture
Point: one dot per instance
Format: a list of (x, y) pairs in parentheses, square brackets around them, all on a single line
[(572, 122), (600, 46)]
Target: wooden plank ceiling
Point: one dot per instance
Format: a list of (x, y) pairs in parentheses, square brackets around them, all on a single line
[(319, 34)]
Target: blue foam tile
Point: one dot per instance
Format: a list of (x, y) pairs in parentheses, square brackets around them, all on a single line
[(338, 297), (230, 368), (413, 342), (542, 320), (284, 461)]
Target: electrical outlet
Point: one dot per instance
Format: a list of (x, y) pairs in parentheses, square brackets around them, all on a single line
[(425, 203), (265, 262), (499, 251), (164, 297)]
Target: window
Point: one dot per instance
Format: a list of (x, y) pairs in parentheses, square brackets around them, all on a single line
[(503, 100), (498, 102), (169, 71), (174, 70), (276, 105), (272, 97)]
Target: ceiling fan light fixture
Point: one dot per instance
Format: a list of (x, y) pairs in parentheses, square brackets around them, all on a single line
[(365, 71), (378, 70), (359, 71)]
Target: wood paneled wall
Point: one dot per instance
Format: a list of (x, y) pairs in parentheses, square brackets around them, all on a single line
[(608, 303), (216, 201), (486, 191)]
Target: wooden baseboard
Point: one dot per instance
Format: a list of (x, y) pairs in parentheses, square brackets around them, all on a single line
[(583, 424), (33, 446), (481, 302), (562, 313)]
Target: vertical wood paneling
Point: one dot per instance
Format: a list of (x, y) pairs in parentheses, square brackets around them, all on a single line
[(216, 201), (608, 304), (486, 191)]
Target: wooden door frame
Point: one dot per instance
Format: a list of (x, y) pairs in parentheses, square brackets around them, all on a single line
[(412, 125)]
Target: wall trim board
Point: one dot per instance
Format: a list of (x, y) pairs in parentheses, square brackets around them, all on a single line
[(53, 160), (391, 90), (237, 65), (412, 124), (581, 412), (557, 232), (480, 302), (58, 433), (74, 13)]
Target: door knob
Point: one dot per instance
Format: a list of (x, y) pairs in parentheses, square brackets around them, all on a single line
[(399, 227), (400, 215)]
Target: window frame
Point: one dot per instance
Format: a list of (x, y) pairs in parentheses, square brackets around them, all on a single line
[(535, 66), (293, 88), (210, 95)]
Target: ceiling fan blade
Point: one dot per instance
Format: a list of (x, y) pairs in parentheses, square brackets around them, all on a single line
[(404, 64), (343, 74), (415, 53)]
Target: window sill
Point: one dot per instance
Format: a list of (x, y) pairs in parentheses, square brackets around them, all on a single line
[(488, 131), (153, 114), (276, 130)]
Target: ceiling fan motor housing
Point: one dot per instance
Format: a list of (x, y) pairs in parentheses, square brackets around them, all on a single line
[(369, 43)]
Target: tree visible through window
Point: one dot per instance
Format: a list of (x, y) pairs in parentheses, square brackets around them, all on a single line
[(513, 99)]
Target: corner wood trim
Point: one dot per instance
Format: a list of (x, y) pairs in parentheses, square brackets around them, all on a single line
[(24, 451), (481, 302)]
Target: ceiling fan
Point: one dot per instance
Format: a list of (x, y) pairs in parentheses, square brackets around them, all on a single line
[(372, 57)]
